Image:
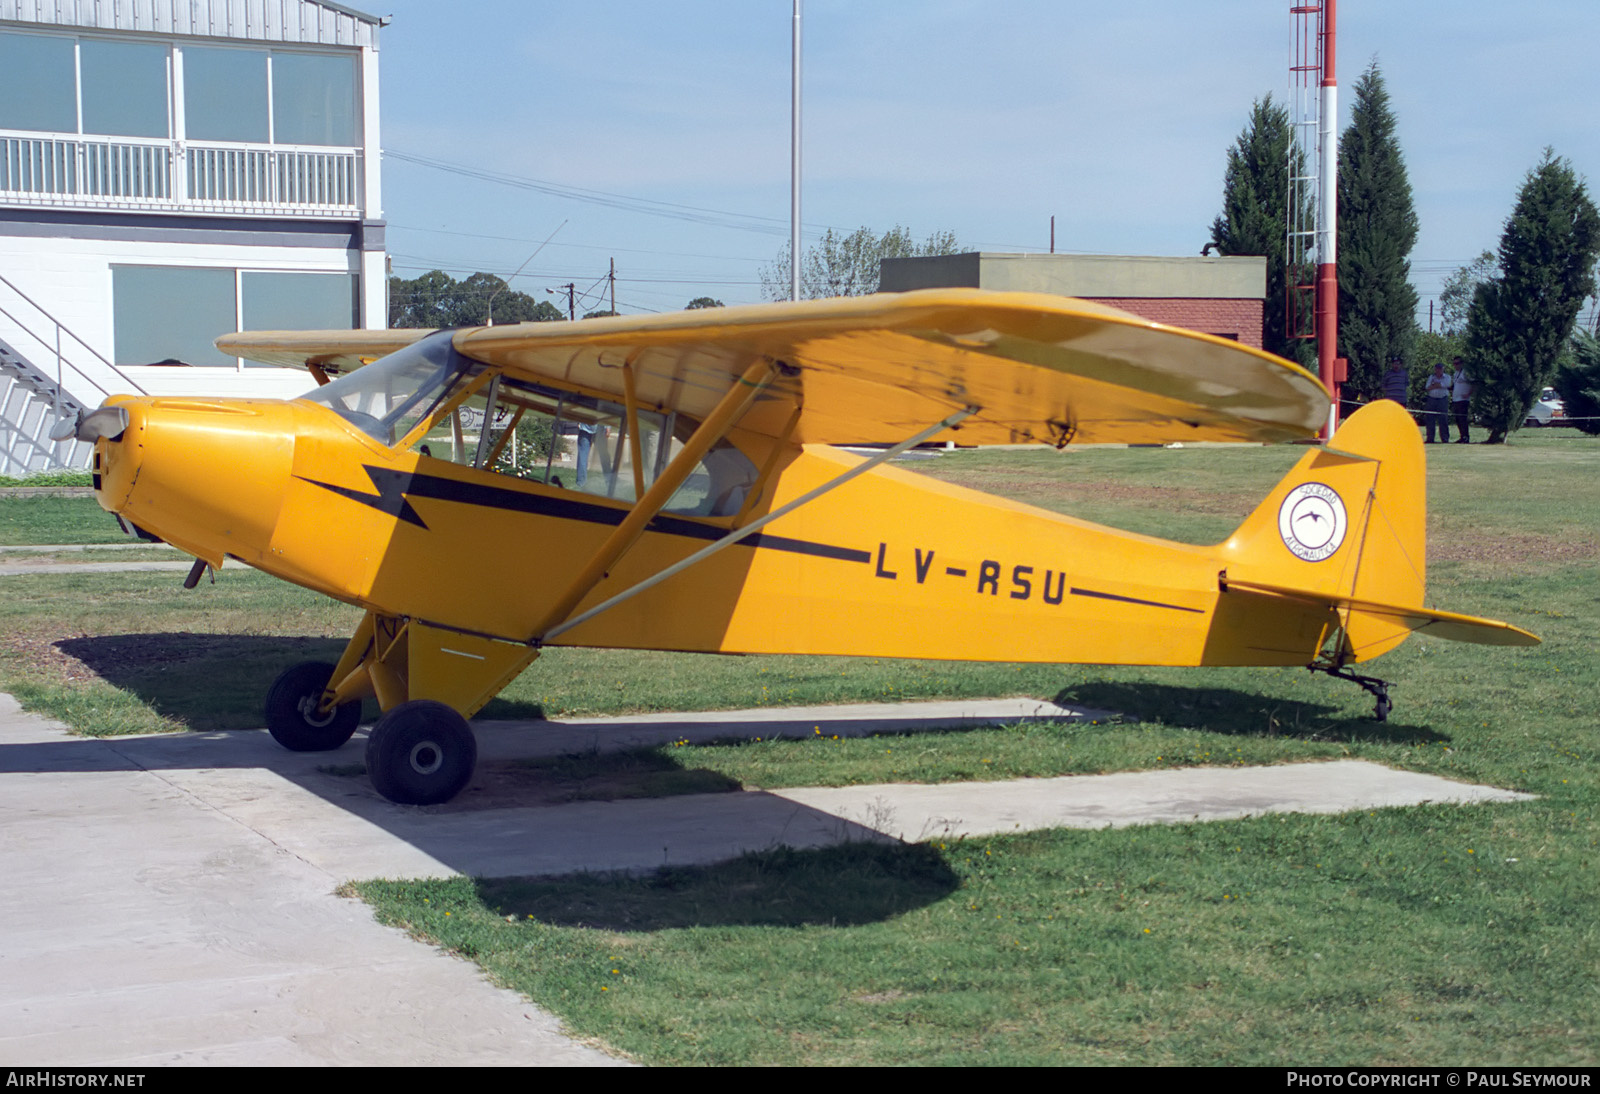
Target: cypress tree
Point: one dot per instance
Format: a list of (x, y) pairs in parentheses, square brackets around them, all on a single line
[(1578, 382), (1255, 208), (1521, 319), (1377, 229)]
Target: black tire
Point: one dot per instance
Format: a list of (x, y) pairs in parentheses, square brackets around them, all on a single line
[(291, 710), (421, 753)]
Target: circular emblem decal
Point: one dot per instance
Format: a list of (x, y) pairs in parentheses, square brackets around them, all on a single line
[(1312, 521)]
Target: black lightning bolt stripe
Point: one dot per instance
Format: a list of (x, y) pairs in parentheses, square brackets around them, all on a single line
[(390, 498), (395, 487), (1134, 600)]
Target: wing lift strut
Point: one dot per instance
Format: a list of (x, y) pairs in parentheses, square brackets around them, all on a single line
[(560, 625)]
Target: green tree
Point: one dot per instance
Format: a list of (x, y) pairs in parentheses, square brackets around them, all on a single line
[(1377, 229), (847, 265), (438, 300), (1521, 319), (1455, 299), (1578, 382), (600, 314), (1255, 208), (703, 302)]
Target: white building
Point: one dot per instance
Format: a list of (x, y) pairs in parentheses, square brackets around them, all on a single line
[(172, 170)]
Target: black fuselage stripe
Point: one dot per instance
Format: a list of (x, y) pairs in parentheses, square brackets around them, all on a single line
[(394, 486), (1134, 600)]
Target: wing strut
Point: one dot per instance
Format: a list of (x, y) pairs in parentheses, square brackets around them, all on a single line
[(711, 430), (756, 525)]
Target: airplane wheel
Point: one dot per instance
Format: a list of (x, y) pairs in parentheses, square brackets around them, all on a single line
[(421, 753), (291, 710)]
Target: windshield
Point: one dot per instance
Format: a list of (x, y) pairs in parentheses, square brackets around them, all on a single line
[(386, 398)]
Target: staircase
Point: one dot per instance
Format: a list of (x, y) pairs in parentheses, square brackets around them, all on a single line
[(32, 401)]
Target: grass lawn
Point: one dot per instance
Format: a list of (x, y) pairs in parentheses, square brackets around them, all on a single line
[(1434, 935)]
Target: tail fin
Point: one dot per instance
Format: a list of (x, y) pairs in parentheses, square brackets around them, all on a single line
[(1347, 528)]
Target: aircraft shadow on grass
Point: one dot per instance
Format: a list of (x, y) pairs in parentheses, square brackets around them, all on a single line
[(850, 884), (1240, 713), (163, 671)]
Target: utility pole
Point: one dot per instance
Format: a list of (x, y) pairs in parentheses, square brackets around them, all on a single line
[(794, 160), (572, 309), (612, 277)]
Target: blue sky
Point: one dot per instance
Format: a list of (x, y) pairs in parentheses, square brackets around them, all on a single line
[(982, 118)]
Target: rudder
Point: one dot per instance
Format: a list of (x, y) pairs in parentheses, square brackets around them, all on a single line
[(1348, 522)]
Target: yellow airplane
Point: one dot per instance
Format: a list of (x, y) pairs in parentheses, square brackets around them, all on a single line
[(428, 479)]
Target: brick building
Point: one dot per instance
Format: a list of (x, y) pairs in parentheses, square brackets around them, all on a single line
[(1220, 296)]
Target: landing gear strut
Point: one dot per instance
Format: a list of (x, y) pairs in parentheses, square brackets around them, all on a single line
[(1378, 689)]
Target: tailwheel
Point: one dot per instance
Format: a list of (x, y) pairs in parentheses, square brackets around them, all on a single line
[(1378, 689), (292, 715), (421, 753)]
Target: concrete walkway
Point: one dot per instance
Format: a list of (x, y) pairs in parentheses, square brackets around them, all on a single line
[(146, 922), (170, 899)]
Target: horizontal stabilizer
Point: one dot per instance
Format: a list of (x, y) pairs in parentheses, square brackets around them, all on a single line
[(1451, 625)]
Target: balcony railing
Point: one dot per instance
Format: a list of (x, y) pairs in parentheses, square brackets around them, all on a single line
[(124, 173)]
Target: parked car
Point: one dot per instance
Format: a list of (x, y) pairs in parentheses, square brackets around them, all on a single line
[(1548, 410)]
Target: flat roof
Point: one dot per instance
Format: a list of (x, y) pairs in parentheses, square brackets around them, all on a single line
[(319, 22), (1094, 276)]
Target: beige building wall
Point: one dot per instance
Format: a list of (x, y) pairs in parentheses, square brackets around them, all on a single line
[(1220, 296)]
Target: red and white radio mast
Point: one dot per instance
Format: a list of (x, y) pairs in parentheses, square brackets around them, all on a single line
[(1313, 305)]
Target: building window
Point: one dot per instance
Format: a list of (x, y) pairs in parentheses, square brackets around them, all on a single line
[(298, 301), (313, 98), (244, 96), (171, 313), (225, 94), (174, 313), (124, 88), (46, 66)]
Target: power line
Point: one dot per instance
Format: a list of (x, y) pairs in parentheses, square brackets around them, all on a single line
[(397, 226), (748, 222)]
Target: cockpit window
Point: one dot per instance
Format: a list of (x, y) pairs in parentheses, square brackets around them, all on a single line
[(387, 398), (528, 431)]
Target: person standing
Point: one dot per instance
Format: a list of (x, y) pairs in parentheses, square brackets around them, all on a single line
[(586, 435), (1437, 409), (1460, 402), (1397, 381)]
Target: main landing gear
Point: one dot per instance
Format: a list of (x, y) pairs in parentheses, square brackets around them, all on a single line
[(419, 753), (292, 715), (1378, 689)]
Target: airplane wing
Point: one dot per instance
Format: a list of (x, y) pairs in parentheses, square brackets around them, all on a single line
[(332, 350), (876, 369)]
